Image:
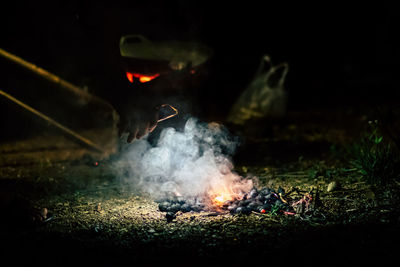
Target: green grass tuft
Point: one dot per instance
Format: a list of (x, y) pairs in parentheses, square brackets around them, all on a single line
[(375, 157)]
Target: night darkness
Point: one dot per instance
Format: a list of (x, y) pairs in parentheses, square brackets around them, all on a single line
[(343, 67), (339, 54)]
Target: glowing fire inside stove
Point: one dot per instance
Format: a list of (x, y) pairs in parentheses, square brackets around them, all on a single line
[(142, 77)]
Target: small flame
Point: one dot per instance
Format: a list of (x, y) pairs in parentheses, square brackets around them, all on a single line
[(142, 77), (222, 198), (219, 199), (220, 195)]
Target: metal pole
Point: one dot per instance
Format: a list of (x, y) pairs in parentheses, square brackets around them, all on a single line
[(54, 79), (53, 122)]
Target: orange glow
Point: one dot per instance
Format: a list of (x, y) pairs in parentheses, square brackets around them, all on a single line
[(222, 198), (129, 76), (219, 199), (221, 195), (145, 78), (142, 78)]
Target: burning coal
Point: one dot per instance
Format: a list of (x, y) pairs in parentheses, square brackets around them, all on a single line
[(193, 166), (191, 170)]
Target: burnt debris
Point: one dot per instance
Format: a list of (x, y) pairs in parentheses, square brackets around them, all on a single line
[(177, 203), (265, 200)]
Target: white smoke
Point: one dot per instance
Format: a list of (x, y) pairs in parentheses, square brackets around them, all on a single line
[(194, 162)]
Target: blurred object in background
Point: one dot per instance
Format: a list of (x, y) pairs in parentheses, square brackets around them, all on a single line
[(176, 55), (171, 64), (265, 97), (165, 70)]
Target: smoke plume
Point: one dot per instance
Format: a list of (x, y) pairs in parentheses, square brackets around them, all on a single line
[(194, 162)]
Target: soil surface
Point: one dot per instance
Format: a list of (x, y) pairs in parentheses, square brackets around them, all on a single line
[(93, 217)]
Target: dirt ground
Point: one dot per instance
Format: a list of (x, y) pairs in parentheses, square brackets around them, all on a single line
[(97, 219)]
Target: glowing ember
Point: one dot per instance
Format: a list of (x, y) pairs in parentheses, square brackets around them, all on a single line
[(142, 78), (222, 198), (219, 199)]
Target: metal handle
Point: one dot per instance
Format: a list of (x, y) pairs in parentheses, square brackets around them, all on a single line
[(170, 116)]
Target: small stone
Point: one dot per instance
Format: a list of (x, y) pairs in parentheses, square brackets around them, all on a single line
[(238, 210), (332, 186), (270, 198), (197, 207), (186, 208), (253, 193), (175, 207), (260, 198), (265, 191), (170, 216), (44, 212), (232, 208), (244, 203), (98, 207), (243, 210), (254, 205), (180, 200), (164, 206)]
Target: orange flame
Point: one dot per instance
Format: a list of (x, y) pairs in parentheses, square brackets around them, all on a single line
[(230, 190), (219, 200), (222, 197), (142, 77)]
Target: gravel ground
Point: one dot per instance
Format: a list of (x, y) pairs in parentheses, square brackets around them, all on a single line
[(96, 219)]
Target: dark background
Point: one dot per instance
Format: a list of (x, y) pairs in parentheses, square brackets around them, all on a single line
[(340, 54)]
